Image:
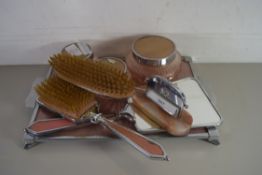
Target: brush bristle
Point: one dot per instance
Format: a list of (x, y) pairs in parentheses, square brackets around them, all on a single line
[(64, 97), (95, 76)]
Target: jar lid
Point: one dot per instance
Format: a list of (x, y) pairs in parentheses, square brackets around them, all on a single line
[(117, 62), (79, 48), (154, 50)]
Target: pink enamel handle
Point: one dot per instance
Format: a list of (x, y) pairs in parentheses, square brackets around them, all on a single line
[(42, 127)]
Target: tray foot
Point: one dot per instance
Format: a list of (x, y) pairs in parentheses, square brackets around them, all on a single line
[(213, 136), (29, 141)]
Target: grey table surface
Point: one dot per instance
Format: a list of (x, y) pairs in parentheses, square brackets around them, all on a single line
[(236, 89)]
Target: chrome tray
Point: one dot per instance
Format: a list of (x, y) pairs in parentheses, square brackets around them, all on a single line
[(210, 133)]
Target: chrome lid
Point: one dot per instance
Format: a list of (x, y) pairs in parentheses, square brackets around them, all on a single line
[(79, 48)]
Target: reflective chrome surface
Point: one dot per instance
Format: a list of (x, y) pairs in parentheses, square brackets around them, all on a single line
[(167, 96)]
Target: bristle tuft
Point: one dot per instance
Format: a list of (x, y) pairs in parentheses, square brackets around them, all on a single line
[(64, 97), (95, 76)]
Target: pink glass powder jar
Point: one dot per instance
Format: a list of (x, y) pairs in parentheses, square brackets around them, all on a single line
[(153, 55)]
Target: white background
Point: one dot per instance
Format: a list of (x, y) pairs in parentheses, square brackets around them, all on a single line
[(208, 30)]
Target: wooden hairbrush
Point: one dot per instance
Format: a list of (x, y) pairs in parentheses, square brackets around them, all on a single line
[(94, 76)]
